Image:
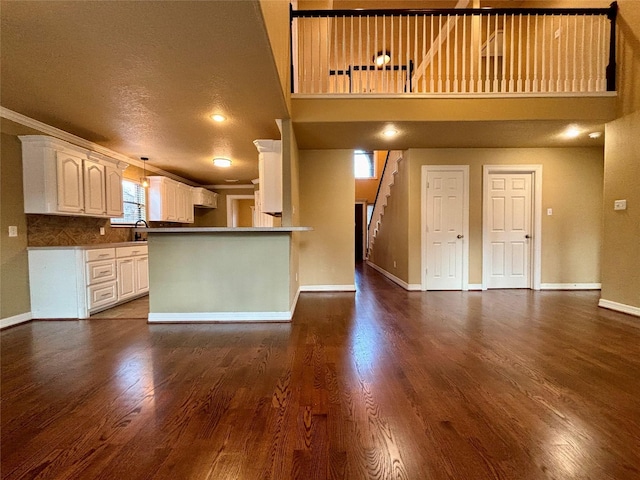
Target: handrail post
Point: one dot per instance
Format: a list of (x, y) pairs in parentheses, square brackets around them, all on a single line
[(611, 67)]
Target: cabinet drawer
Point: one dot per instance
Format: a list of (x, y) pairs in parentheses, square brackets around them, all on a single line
[(99, 272), (132, 251), (102, 295), (100, 254)]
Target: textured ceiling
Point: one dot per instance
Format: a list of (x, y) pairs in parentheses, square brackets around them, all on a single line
[(143, 77)]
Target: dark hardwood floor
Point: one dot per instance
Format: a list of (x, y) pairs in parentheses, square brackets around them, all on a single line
[(383, 384)]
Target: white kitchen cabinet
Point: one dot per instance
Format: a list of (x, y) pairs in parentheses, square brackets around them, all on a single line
[(113, 182), (170, 201), (70, 183), (62, 179), (95, 202), (204, 198), (74, 282), (270, 175)]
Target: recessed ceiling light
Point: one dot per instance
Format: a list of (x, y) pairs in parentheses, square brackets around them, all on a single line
[(595, 134), (381, 59), (222, 162), (218, 118), (390, 132), (572, 131)]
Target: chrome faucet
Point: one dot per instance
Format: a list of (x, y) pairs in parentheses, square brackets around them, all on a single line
[(137, 236)]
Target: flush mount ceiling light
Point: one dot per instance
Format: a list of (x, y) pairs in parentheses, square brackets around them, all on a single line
[(231, 180), (390, 132), (222, 162), (218, 118), (144, 180), (595, 135), (382, 58), (572, 131)]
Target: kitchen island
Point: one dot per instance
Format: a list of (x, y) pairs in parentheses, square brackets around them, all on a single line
[(216, 274)]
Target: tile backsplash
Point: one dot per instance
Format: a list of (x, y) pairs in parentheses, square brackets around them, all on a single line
[(56, 230)]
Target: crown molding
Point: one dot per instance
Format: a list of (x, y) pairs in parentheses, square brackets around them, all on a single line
[(81, 142), (230, 187)]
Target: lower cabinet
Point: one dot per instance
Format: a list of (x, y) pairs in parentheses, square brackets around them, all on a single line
[(74, 282), (133, 272)]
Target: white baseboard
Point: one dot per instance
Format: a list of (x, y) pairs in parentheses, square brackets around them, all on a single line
[(294, 302), (219, 317), (474, 286), (619, 307), (15, 320), (570, 286), (327, 288), (394, 279)]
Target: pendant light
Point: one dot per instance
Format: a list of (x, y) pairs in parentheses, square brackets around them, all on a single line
[(145, 180)]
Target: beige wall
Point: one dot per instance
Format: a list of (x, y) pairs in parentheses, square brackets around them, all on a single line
[(326, 204), (366, 188), (628, 57), (276, 18), (621, 242), (392, 243), (572, 187), (14, 275), (291, 201), (621, 255)]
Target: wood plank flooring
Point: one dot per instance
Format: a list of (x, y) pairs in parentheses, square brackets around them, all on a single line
[(381, 384)]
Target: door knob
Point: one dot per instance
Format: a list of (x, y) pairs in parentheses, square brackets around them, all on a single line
[(460, 236), (527, 236)]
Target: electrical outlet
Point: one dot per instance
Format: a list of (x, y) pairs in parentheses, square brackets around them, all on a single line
[(620, 205), (101, 230), (549, 211), (13, 231)]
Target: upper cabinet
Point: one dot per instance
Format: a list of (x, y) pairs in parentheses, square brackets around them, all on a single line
[(62, 179), (204, 198), (170, 201), (270, 175)]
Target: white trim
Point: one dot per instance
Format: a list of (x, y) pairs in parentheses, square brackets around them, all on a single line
[(619, 307), (327, 288), (393, 278), (475, 286), (195, 317), (230, 187), (536, 218), (570, 286), (81, 142), (465, 221), (294, 302), (15, 320)]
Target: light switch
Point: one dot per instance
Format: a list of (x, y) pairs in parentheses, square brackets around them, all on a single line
[(13, 231), (549, 211), (620, 205), (101, 230)]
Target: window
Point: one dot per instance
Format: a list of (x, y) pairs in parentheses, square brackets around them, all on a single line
[(363, 164), (134, 199)]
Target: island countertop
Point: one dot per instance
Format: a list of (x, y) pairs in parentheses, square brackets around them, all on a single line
[(222, 229)]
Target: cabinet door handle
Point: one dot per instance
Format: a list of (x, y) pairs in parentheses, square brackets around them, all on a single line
[(105, 295), (105, 272), (135, 252), (102, 255)]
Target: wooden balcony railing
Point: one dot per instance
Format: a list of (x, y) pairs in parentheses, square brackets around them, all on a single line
[(453, 51)]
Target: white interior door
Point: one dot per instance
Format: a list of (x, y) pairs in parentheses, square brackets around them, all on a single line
[(509, 231), (446, 228)]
